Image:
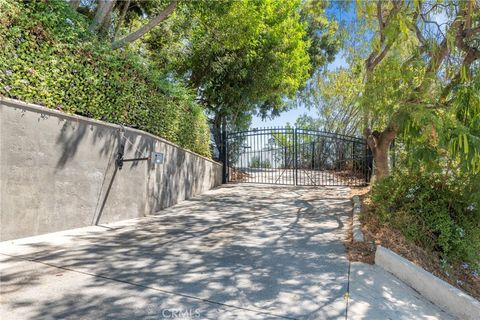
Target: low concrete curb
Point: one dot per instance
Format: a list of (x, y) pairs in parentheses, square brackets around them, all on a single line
[(356, 225), (441, 293)]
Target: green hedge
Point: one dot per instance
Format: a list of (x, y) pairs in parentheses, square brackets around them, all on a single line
[(49, 57), (439, 211)]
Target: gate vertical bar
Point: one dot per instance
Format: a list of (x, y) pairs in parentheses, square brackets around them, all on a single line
[(392, 150), (285, 160), (313, 155), (224, 153), (295, 155), (353, 163)]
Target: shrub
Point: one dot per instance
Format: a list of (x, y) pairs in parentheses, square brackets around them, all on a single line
[(256, 162), (49, 57), (437, 211)]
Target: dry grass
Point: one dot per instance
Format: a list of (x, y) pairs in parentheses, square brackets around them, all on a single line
[(238, 175), (380, 234)]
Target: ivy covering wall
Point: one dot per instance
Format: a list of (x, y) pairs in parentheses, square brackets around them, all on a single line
[(48, 57)]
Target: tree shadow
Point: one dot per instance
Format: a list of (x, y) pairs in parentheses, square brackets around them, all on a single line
[(246, 251), (375, 294), (75, 160)]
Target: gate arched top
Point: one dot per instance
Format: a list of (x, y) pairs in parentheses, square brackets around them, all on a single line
[(320, 133)]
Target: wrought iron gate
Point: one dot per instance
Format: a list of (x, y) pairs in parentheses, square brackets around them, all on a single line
[(295, 156)]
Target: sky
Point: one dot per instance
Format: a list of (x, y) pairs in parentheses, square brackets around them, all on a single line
[(292, 115)]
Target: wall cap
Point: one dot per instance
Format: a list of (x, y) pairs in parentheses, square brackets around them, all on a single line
[(356, 224), (441, 293)]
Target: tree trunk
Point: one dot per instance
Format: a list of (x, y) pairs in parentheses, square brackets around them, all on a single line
[(103, 11), (121, 18), (146, 28), (74, 4), (107, 21), (217, 132), (380, 163), (379, 143)]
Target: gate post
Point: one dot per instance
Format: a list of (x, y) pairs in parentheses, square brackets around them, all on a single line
[(313, 155), (295, 154), (368, 163), (354, 160), (224, 153)]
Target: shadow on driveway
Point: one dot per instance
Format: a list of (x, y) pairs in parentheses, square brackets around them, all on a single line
[(240, 251)]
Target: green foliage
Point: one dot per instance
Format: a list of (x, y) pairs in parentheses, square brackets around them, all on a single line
[(256, 162), (399, 80), (335, 97), (437, 113), (321, 32), (452, 134), (48, 57), (438, 211), (244, 57)]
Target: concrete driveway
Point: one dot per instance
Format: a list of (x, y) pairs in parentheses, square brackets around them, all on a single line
[(237, 252)]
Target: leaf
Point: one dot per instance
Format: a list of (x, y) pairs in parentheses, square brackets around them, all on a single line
[(465, 144)]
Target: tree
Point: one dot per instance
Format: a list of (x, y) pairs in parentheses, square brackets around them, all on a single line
[(412, 74), (110, 15), (322, 33), (147, 27), (334, 95), (243, 57), (102, 15), (74, 3)]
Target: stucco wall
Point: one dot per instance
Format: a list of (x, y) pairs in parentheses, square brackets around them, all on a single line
[(58, 172)]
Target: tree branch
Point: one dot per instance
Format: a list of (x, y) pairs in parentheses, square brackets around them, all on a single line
[(382, 55), (439, 27), (380, 21), (463, 31), (471, 56), (121, 18), (472, 31), (146, 28), (417, 30), (375, 57)]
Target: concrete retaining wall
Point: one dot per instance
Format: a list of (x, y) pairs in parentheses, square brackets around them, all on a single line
[(58, 172)]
